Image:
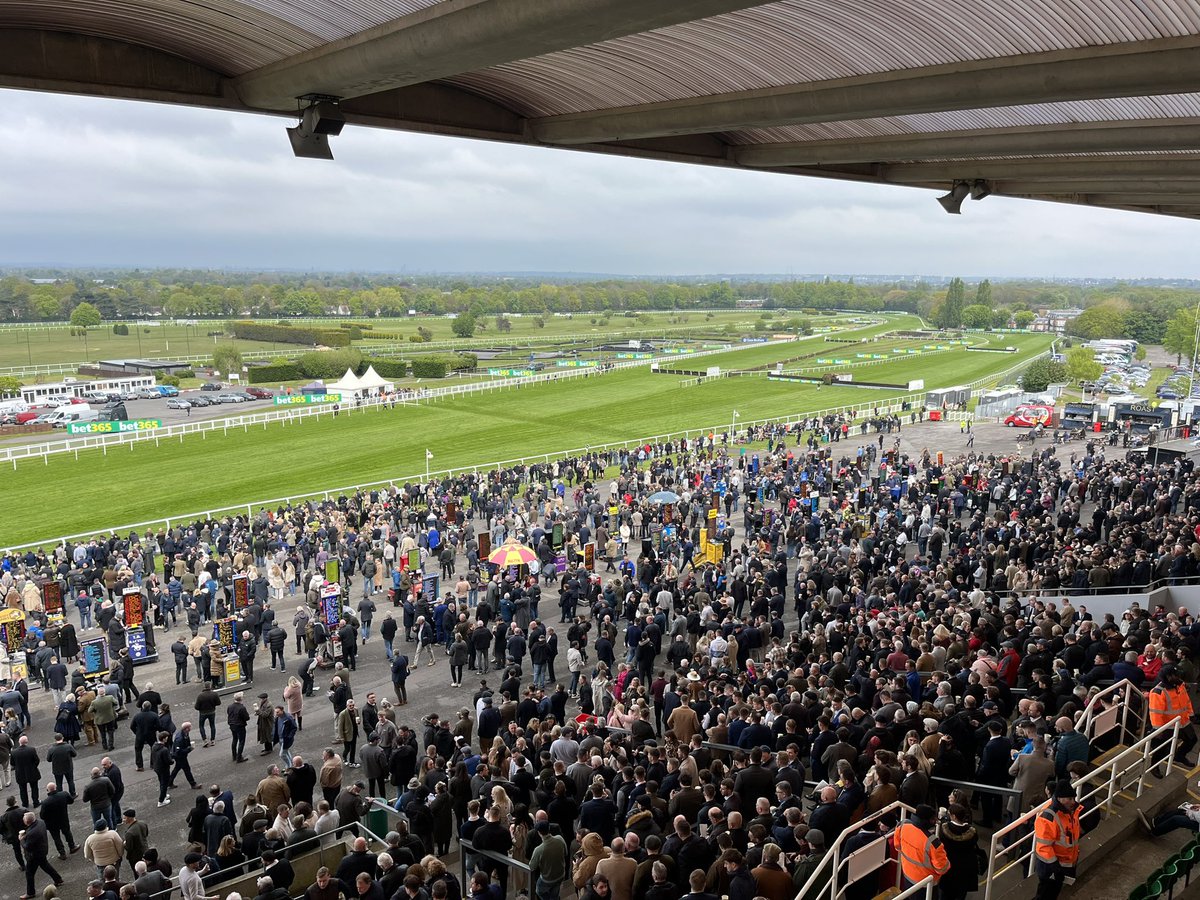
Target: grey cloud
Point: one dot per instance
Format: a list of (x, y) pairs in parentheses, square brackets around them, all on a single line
[(107, 182)]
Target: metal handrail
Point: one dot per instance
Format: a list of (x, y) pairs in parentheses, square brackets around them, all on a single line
[(249, 866), (925, 886), (469, 848), (1149, 753), (833, 855), (1123, 693)]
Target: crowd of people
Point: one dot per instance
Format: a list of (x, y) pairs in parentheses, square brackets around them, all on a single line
[(882, 625)]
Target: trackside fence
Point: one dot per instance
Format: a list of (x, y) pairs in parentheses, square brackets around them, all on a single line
[(870, 407)]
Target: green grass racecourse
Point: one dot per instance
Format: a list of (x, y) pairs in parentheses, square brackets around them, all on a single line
[(95, 491), (38, 345)]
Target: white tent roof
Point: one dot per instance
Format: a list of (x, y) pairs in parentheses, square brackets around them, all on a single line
[(372, 379), (348, 382)]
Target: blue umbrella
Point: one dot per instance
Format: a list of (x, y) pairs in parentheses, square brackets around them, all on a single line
[(664, 497)]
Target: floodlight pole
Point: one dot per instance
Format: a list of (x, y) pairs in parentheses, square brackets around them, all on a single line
[(1195, 347)]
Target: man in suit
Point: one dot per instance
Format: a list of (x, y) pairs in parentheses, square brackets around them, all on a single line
[(24, 760), (56, 815), (35, 841), (994, 760)]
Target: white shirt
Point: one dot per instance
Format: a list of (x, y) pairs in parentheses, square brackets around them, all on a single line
[(191, 886)]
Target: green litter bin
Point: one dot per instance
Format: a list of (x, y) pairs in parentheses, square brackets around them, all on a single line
[(377, 821)]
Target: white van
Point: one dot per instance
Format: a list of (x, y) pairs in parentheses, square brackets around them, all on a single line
[(76, 412), (13, 407)]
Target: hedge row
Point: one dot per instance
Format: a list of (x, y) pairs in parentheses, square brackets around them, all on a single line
[(306, 367), (274, 373), (288, 334), (429, 367)]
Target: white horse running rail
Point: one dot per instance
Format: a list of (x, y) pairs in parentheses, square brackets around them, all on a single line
[(28, 451), (892, 405), (886, 406), (1127, 770)]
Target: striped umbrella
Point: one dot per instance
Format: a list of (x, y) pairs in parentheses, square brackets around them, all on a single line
[(510, 553)]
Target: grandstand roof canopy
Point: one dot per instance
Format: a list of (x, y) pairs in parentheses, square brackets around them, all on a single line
[(1094, 102)]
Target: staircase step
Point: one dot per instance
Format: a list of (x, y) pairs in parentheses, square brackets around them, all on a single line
[(1109, 754)]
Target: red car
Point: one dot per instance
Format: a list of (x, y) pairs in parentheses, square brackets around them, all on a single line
[(258, 393), (1030, 417)]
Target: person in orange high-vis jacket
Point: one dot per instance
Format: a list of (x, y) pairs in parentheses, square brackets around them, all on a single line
[(1170, 701), (1056, 841), (920, 853)]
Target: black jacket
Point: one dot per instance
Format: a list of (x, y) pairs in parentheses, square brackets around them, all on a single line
[(54, 810)]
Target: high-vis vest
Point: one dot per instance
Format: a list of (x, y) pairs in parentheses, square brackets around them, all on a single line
[(920, 855), (1168, 704), (1056, 835)]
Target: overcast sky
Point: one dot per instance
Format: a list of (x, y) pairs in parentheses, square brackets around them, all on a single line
[(100, 182)]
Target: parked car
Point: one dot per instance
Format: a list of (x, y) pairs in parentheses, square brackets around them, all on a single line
[(148, 394), (165, 390), (259, 393), (114, 412), (212, 386), (230, 398), (199, 400), (178, 403), (66, 415)]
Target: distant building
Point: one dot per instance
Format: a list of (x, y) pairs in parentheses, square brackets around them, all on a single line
[(751, 302), (144, 366), (1054, 320)]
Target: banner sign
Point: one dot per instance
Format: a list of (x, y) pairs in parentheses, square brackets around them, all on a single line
[(119, 427), (333, 570), (52, 598), (241, 591), (306, 399), (560, 563), (225, 634), (682, 350), (233, 669), (589, 556), (135, 610), (94, 653), (135, 643), (635, 356), (574, 363), (510, 373), (485, 545)]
